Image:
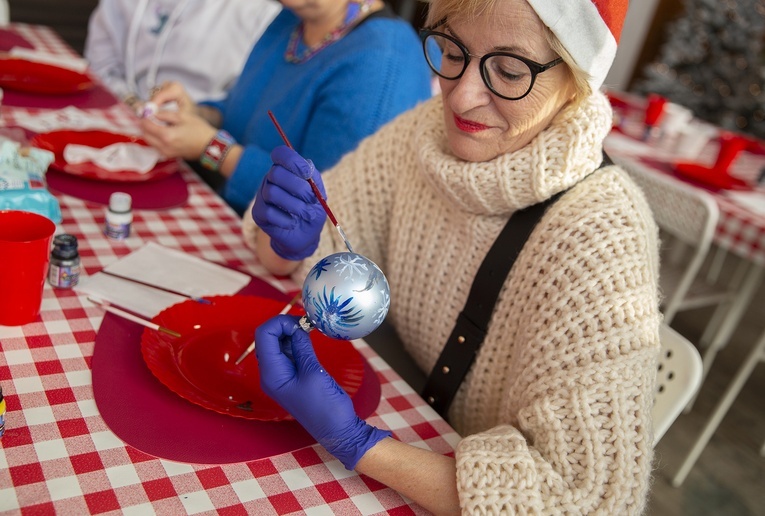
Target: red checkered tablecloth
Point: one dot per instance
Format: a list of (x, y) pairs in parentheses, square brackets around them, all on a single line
[(58, 455), (740, 228)]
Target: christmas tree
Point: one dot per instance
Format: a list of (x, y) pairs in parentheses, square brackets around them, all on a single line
[(714, 64)]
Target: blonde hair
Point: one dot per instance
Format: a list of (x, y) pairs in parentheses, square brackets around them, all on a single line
[(469, 10)]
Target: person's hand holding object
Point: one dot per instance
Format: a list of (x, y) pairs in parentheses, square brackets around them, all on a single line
[(286, 207), (291, 375)]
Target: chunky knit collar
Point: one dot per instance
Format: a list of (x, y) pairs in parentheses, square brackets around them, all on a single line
[(560, 156)]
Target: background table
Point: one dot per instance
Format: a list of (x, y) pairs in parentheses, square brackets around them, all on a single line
[(59, 456), (740, 229)]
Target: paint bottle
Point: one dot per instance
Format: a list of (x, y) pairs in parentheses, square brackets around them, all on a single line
[(64, 269), (2, 413), (119, 216)]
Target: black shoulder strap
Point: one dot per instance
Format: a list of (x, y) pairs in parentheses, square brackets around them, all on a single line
[(469, 331), (472, 323)]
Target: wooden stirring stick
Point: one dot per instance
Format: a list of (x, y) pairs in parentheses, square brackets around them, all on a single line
[(314, 187), (295, 300)]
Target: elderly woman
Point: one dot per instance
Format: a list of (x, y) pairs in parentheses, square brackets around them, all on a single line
[(555, 411), (332, 71)]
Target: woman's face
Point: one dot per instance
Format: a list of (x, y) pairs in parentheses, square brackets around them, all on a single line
[(481, 126)]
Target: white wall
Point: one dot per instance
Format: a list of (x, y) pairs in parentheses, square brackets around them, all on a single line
[(4, 13), (639, 16)]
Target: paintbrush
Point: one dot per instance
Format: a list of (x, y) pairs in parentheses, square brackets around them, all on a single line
[(109, 307), (314, 187), (286, 309), (157, 287)]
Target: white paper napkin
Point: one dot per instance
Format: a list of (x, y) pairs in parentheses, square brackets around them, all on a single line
[(118, 156), (754, 201), (77, 64), (164, 267), (619, 144), (68, 118)]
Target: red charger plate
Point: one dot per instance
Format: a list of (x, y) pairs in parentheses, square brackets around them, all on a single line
[(710, 177), (199, 366), (33, 77), (55, 141)]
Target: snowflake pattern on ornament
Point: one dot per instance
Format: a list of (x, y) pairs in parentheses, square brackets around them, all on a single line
[(383, 310), (346, 296), (352, 263)]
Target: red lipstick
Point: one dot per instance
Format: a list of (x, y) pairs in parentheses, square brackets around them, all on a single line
[(468, 126)]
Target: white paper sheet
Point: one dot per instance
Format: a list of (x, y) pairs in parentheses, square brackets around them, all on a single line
[(164, 267), (754, 201)]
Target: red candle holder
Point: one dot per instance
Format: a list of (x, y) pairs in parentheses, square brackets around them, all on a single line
[(654, 109), (731, 145)]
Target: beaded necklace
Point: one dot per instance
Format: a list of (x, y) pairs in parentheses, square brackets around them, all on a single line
[(354, 14)]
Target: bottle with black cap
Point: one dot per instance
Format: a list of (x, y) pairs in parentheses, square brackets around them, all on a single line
[(64, 269)]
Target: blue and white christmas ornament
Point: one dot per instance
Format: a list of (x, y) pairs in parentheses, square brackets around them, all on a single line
[(345, 296)]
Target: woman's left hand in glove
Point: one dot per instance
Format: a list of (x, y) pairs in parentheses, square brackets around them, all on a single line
[(291, 374)]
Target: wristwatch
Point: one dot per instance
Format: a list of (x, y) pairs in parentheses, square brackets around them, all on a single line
[(216, 150)]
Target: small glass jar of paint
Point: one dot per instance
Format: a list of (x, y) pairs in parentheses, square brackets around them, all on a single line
[(64, 268)]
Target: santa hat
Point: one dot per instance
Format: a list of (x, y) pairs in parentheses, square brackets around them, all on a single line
[(588, 29)]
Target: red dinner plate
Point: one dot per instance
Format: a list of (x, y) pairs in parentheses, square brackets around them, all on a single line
[(43, 78), (710, 177), (55, 142), (200, 365)]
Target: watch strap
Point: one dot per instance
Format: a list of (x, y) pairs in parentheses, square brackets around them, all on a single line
[(216, 150)]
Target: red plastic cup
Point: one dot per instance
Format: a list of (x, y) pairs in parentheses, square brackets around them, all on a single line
[(25, 240), (731, 145), (654, 109)]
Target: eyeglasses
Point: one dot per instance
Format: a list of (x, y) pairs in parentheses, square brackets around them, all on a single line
[(507, 75)]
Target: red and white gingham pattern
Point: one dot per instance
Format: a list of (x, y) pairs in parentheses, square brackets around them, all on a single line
[(43, 39), (58, 455), (741, 230)]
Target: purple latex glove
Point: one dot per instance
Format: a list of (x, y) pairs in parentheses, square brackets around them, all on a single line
[(294, 378), (286, 207)]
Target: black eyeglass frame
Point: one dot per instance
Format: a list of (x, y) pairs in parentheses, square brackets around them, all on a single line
[(534, 67)]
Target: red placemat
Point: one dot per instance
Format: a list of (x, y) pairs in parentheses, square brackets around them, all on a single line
[(148, 416), (159, 194), (97, 97)]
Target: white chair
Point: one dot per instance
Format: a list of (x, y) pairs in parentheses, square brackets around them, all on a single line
[(677, 380), (756, 355), (687, 217)]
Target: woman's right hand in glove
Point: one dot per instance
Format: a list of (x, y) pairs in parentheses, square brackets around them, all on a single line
[(286, 207)]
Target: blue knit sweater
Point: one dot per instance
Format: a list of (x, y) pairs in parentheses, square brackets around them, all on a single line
[(327, 104)]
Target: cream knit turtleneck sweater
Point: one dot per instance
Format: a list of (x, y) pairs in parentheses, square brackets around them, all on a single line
[(556, 408)]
